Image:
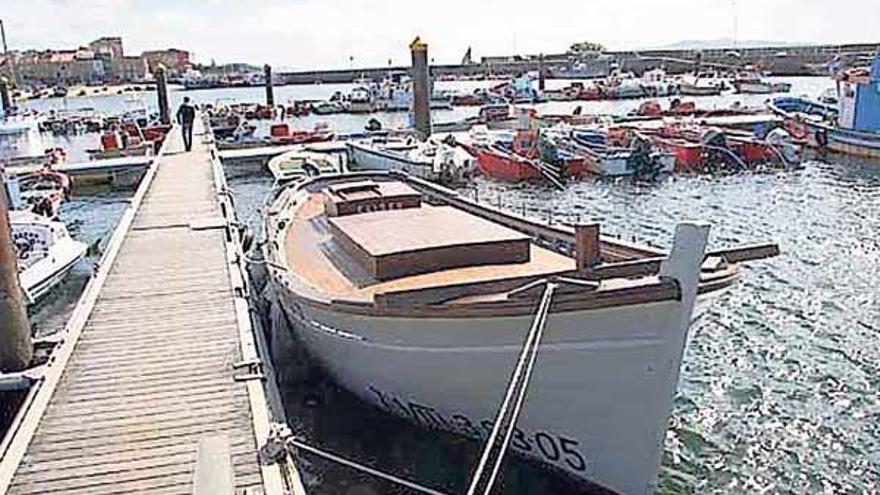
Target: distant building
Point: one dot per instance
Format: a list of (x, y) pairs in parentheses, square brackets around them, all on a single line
[(111, 46), (129, 69), (174, 60), (60, 67)]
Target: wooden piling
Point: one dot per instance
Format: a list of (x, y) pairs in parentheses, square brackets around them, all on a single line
[(16, 349), (541, 72), (270, 92), (5, 99), (586, 240), (421, 87), (162, 94)]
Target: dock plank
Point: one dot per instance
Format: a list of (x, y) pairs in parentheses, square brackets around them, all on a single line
[(151, 373)]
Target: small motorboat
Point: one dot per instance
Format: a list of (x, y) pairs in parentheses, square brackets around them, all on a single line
[(361, 100), (753, 84), (701, 84), (301, 164), (432, 160), (281, 133), (42, 191), (522, 159), (327, 107), (613, 152), (419, 301), (852, 127), (46, 252), (711, 149)]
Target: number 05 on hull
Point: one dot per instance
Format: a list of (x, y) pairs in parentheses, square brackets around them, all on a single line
[(419, 301)]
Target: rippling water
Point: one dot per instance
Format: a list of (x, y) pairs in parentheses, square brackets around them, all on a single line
[(779, 387)]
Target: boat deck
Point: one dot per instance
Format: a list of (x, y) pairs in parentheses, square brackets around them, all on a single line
[(320, 260), (146, 372)]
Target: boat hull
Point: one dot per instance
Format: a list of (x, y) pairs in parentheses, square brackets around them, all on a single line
[(821, 135), (367, 158), (44, 275), (760, 88), (597, 406), (504, 168)]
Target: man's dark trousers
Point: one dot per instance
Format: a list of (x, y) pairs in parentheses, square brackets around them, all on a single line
[(187, 128)]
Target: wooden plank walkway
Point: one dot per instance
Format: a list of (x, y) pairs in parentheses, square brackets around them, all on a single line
[(149, 371)]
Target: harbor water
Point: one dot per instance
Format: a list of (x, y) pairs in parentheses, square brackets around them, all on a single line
[(779, 385)]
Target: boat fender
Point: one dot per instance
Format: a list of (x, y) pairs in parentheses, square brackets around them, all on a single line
[(821, 137)]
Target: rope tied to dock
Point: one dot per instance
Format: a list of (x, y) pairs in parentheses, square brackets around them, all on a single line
[(514, 398), (283, 444)]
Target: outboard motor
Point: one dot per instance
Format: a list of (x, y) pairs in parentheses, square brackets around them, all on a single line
[(781, 140), (717, 155)]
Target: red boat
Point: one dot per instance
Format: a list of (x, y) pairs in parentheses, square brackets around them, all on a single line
[(523, 160), (282, 134), (697, 148)]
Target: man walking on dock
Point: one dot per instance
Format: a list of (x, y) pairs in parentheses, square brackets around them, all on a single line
[(185, 116)]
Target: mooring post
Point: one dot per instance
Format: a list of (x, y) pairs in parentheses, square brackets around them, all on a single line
[(270, 92), (421, 87), (5, 99), (16, 349), (162, 94), (541, 72), (586, 241)]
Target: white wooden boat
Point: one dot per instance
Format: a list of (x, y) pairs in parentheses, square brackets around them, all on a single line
[(756, 86), (46, 252), (300, 164), (430, 160), (701, 85), (418, 301)]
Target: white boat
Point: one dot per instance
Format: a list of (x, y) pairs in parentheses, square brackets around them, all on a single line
[(301, 164), (656, 82), (360, 100), (13, 125), (46, 252), (430, 160), (753, 84), (421, 308), (708, 84)]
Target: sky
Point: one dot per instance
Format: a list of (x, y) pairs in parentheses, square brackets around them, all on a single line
[(328, 34)]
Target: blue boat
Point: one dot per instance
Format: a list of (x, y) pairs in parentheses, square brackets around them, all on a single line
[(852, 127)]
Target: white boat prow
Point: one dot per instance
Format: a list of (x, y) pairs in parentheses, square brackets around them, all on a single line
[(46, 253)]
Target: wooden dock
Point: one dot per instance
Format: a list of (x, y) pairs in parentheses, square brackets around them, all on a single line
[(159, 367)]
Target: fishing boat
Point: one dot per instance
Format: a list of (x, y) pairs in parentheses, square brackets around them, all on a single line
[(521, 159), (42, 191), (360, 100), (706, 149), (430, 160), (18, 124), (280, 133), (418, 301), (701, 84), (46, 252), (301, 164), (614, 152), (752, 83), (852, 127), (327, 107)]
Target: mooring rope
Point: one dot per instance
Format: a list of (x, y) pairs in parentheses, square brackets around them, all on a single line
[(516, 394), (360, 467)]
